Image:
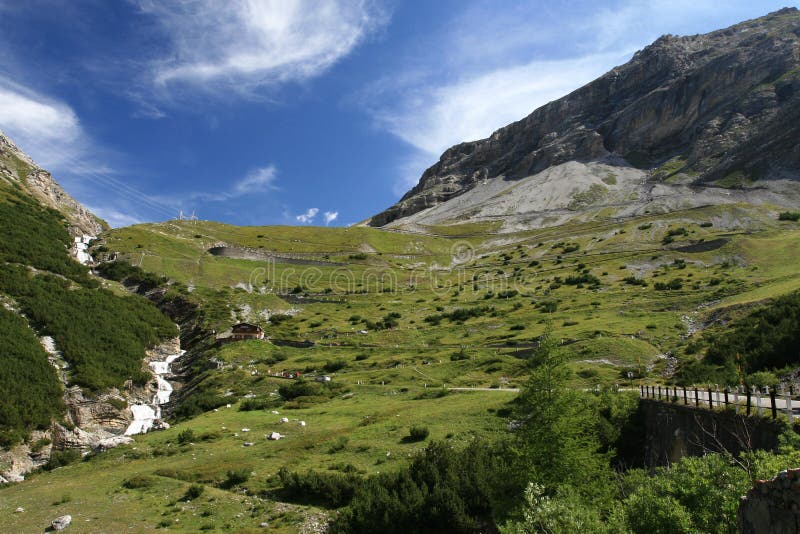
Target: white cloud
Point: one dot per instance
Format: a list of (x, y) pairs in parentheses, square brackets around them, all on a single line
[(50, 132), (257, 180), (330, 216), (45, 129), (243, 44), (438, 117), (308, 216)]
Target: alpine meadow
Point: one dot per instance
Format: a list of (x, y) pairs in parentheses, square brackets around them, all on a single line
[(586, 321)]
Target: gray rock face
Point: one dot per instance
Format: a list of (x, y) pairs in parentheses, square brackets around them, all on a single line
[(771, 505), (16, 166), (725, 105)]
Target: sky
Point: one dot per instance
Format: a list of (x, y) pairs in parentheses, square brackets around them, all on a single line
[(301, 112)]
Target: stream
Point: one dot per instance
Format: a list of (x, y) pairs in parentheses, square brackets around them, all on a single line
[(145, 415)]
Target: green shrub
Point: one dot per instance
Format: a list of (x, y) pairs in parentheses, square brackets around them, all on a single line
[(442, 490), (417, 433), (332, 366), (30, 392), (326, 489), (766, 339), (186, 436), (138, 482), (62, 458), (338, 445), (789, 216), (235, 477), (194, 492), (81, 320)]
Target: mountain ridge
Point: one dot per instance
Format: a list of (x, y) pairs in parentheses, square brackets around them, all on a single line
[(16, 167), (713, 107)]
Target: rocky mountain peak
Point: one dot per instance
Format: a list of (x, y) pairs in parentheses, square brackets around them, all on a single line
[(719, 108)]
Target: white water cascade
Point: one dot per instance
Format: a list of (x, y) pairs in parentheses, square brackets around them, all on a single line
[(145, 415)]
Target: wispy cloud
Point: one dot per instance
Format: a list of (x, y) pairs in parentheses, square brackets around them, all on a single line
[(435, 118), (46, 129), (241, 45), (115, 217), (330, 216), (50, 132), (257, 180), (308, 216)]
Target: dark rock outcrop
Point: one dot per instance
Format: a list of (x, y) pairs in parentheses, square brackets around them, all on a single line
[(726, 103)]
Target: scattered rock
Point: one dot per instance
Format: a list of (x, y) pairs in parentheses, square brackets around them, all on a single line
[(60, 523), (19, 510), (274, 436)]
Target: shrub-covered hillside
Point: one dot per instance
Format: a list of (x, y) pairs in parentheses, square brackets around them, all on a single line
[(101, 335), (767, 339), (31, 393)]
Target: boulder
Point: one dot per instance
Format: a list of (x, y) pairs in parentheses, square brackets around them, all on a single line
[(60, 523)]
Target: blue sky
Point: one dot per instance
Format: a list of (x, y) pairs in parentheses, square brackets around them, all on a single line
[(295, 112)]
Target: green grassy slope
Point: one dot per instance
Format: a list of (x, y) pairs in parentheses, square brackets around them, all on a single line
[(395, 317)]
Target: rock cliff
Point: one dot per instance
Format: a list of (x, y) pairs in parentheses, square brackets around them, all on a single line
[(718, 110), (18, 168)]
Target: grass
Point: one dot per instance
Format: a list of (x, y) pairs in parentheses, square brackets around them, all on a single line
[(394, 379), (735, 180), (375, 421)]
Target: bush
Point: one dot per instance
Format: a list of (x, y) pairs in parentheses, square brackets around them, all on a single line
[(124, 272), (186, 436), (338, 445), (235, 477), (31, 391), (332, 366), (548, 306), (81, 321), (299, 388), (62, 458), (138, 482), (633, 281), (199, 402), (251, 405), (417, 433), (442, 490), (325, 489), (767, 338), (672, 285), (575, 280), (194, 492), (459, 356), (789, 216)]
